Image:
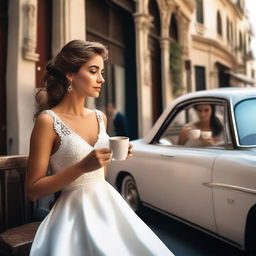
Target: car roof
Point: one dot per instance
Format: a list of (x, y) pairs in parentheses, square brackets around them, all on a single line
[(231, 94), (234, 93)]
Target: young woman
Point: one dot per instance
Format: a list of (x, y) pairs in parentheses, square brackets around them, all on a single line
[(207, 122), (90, 217)]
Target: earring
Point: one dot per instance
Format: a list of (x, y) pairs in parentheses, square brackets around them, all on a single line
[(70, 87)]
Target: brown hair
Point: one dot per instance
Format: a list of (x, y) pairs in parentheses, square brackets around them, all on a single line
[(69, 60), (215, 123)]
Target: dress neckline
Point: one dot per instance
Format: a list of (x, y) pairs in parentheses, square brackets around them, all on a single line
[(76, 134)]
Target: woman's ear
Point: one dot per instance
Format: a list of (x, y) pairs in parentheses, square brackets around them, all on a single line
[(69, 76)]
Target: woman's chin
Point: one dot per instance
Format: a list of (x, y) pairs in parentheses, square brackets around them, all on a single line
[(95, 95)]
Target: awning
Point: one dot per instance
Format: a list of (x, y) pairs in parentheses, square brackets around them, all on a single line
[(240, 77)]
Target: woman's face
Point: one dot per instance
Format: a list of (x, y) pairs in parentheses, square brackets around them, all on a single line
[(204, 112), (89, 79)]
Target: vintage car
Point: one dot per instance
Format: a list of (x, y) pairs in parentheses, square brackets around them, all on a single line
[(210, 187)]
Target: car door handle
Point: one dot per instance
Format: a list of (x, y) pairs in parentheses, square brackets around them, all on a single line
[(167, 155)]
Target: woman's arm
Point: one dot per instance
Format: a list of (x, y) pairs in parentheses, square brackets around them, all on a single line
[(42, 140), (183, 136)]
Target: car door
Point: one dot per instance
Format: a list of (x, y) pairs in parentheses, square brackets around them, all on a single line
[(179, 173), (234, 192)]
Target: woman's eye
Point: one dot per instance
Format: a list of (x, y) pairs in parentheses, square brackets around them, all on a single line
[(93, 71)]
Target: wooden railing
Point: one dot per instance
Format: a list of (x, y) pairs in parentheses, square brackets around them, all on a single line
[(15, 209)]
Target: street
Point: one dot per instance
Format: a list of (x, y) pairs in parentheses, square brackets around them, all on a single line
[(183, 240)]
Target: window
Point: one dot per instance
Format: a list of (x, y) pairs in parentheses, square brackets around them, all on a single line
[(189, 118), (174, 29), (200, 78), (228, 33), (240, 41), (219, 24), (245, 45), (199, 11), (240, 4), (231, 33), (246, 122)]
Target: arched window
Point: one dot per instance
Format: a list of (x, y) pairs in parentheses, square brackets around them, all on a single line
[(231, 33), (199, 11), (240, 41), (240, 4), (174, 29), (219, 24), (228, 35), (245, 44)]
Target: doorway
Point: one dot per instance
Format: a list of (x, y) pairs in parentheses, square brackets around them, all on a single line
[(111, 23)]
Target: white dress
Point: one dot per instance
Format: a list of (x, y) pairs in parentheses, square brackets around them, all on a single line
[(90, 218)]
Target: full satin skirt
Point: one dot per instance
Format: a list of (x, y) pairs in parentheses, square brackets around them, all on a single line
[(94, 220)]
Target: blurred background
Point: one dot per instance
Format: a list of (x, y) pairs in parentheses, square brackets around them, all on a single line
[(158, 50)]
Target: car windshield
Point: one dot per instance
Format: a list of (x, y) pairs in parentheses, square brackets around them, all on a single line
[(246, 122)]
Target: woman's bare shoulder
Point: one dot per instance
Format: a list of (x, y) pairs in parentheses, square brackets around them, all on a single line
[(44, 119), (44, 124), (43, 132)]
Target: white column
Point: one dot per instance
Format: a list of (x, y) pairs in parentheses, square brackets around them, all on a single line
[(142, 25), (166, 9), (165, 64), (20, 74), (68, 22)]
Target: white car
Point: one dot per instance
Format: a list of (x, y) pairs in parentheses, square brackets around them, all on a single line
[(210, 187)]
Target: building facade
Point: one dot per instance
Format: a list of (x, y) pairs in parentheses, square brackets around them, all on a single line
[(220, 46), (158, 50)]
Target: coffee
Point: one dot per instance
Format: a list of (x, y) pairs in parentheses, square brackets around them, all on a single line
[(206, 134), (195, 133)]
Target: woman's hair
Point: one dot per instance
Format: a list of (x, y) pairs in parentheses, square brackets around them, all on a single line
[(215, 123), (69, 60)]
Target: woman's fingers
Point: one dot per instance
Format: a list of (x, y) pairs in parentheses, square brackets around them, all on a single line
[(105, 154), (130, 149), (104, 150)]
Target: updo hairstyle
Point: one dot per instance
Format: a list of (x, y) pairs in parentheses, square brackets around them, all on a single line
[(54, 85)]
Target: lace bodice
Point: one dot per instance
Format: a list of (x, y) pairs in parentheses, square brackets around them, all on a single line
[(74, 148)]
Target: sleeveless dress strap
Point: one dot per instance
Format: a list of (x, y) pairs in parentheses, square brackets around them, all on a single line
[(100, 120), (60, 128)]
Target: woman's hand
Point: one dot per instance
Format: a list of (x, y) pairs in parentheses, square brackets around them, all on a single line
[(129, 151), (207, 142), (96, 159), (184, 134)]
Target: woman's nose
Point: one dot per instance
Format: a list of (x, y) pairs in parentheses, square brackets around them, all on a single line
[(100, 79)]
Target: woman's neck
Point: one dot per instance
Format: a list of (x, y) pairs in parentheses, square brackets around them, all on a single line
[(71, 104)]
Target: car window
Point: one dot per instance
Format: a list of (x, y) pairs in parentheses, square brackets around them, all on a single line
[(189, 126), (246, 121)]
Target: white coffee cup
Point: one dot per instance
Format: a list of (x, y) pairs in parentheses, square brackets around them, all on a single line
[(195, 133), (206, 134), (119, 146)]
